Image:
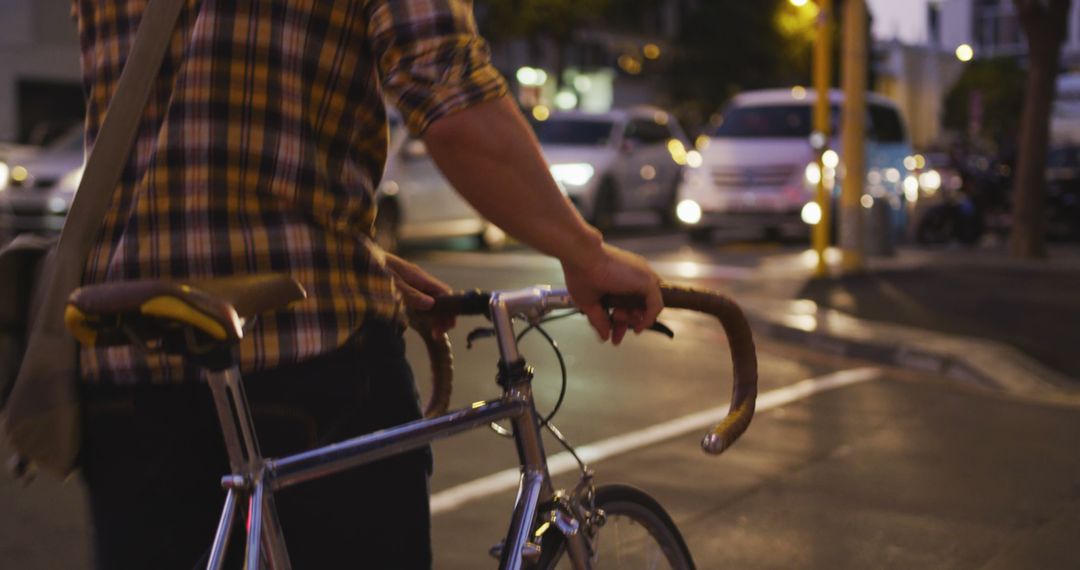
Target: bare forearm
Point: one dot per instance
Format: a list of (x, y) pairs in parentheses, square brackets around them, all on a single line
[(489, 154)]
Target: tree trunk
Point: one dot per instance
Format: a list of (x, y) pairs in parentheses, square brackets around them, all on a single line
[(1044, 23)]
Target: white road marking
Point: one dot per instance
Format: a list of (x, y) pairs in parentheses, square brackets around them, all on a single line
[(560, 463), (680, 269)]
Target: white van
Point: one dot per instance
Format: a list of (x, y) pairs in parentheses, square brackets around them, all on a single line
[(758, 168)]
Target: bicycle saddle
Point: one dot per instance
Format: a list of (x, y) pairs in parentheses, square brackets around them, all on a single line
[(110, 313)]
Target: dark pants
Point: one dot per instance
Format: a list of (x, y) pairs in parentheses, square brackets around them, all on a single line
[(153, 459)]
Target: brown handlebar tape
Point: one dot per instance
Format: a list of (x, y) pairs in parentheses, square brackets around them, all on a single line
[(441, 358), (739, 336)]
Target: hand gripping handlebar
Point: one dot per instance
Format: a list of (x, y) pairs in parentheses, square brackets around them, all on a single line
[(739, 337)]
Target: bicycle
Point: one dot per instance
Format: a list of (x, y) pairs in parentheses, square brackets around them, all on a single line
[(204, 321)]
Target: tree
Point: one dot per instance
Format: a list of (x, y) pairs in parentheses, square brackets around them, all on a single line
[(999, 85), (730, 45), (1045, 23)]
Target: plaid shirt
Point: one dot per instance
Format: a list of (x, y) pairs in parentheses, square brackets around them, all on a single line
[(260, 151)]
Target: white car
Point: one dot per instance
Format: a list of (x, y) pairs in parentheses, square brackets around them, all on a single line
[(37, 187), (758, 167), (614, 162), (416, 202)]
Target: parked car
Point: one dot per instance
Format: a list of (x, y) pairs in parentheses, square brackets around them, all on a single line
[(627, 160), (1062, 207), (37, 186), (758, 167), (416, 202)]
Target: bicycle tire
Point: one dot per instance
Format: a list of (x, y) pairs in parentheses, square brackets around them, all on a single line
[(637, 531)]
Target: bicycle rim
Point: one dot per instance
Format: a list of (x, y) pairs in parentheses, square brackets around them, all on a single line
[(638, 533)]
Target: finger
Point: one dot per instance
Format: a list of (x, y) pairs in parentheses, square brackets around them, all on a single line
[(415, 298), (654, 303), (598, 318), (618, 331)]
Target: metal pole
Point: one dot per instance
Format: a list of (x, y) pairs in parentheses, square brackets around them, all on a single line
[(854, 135), (822, 73)]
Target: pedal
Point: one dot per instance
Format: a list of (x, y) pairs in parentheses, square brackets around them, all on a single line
[(530, 551)]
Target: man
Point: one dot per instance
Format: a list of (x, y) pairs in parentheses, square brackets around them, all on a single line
[(259, 152)]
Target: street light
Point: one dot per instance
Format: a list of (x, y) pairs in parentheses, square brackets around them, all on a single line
[(798, 3)]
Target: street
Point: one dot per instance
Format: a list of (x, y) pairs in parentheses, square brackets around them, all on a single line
[(848, 464)]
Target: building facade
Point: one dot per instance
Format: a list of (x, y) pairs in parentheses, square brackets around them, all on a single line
[(992, 29)]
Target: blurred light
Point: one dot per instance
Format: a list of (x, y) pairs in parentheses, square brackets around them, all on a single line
[(629, 64), (911, 188), (830, 159), (58, 205), (964, 52), (920, 161), (873, 177), (541, 112), (798, 92), (798, 3), (651, 51), (70, 181), (677, 150), (817, 140), (20, 174), (930, 180), (811, 213), (390, 188), (909, 162), (688, 269), (5, 172), (701, 142), (694, 159), (527, 76), (892, 175), (867, 201), (813, 173), (565, 100), (582, 83), (688, 211), (574, 174), (660, 117), (648, 172)]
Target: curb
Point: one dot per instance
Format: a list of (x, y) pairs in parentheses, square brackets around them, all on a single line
[(970, 361)]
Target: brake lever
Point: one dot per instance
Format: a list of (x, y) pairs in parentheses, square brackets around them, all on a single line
[(661, 328), (477, 334)]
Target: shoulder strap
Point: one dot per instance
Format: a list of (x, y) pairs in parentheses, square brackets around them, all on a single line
[(112, 149)]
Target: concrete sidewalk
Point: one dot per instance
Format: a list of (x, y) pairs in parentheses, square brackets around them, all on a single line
[(971, 314)]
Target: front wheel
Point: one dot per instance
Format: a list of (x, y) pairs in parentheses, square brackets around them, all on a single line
[(636, 533)]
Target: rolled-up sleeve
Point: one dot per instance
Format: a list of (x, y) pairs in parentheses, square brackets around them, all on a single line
[(431, 60)]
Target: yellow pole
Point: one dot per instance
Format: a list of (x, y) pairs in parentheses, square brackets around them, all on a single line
[(822, 73), (853, 135)]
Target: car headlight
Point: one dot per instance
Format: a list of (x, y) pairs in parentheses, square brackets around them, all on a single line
[(574, 174), (70, 182), (811, 214), (688, 211), (5, 172)]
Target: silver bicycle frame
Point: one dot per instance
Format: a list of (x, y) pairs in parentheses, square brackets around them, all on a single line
[(255, 478)]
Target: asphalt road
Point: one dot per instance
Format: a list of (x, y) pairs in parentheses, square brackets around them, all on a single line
[(845, 466)]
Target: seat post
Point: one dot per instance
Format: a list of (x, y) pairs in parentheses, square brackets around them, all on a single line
[(237, 426)]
